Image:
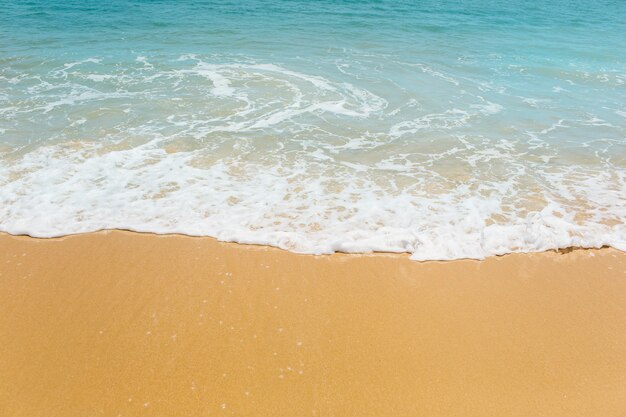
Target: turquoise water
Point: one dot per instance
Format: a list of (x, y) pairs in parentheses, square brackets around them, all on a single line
[(446, 129)]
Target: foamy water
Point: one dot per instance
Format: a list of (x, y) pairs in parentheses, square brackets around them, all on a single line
[(437, 130)]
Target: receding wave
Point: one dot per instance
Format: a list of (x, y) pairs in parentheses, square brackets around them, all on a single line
[(315, 161)]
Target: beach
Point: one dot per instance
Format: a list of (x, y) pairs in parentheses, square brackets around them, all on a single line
[(287, 208), (118, 323)]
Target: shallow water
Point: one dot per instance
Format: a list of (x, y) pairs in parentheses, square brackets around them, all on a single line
[(444, 129)]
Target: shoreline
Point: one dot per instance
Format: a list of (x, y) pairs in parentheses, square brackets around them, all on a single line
[(127, 323), (562, 250)]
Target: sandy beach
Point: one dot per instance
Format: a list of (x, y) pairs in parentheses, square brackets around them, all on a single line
[(127, 324)]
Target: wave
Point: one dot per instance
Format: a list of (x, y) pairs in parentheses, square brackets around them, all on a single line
[(307, 206), (312, 159)]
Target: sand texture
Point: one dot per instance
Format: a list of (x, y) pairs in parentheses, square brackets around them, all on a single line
[(127, 324)]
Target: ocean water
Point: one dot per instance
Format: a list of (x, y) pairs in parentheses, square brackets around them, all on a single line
[(446, 129)]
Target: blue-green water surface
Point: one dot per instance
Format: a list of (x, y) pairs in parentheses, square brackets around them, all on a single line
[(446, 129)]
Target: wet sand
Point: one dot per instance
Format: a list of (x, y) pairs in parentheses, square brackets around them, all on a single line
[(128, 324)]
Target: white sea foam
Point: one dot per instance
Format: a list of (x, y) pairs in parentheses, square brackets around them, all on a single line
[(221, 84), (56, 190), (310, 162)]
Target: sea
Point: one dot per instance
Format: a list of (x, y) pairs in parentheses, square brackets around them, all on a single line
[(444, 129)]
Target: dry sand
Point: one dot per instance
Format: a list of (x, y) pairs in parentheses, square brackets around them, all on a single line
[(127, 324)]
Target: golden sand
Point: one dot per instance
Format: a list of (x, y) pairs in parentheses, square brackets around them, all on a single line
[(127, 324)]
